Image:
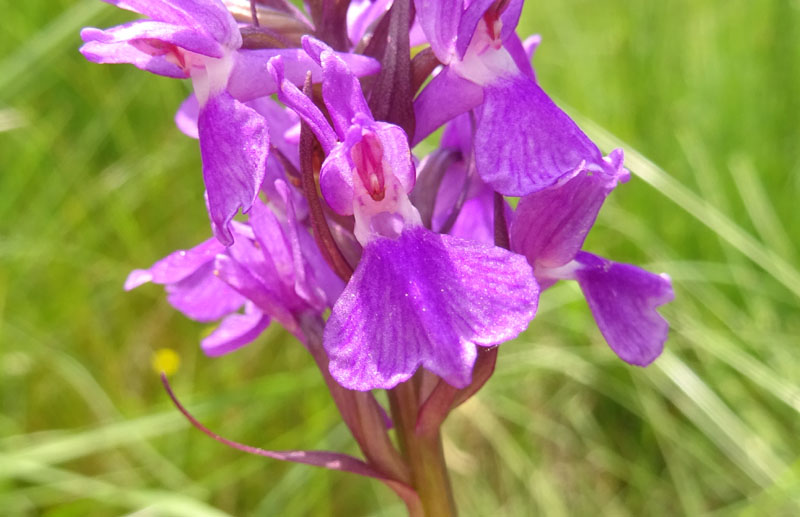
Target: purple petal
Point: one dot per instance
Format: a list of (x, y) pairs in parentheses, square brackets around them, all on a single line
[(234, 143), (432, 170), (209, 16), (361, 14), (469, 23), (235, 331), (242, 280), (439, 21), (549, 226), (323, 278), (476, 219), (510, 18), (520, 55), (156, 38), (476, 215), (450, 190), (250, 79), (458, 135), (445, 97), (340, 88), (358, 64), (289, 260), (292, 135), (176, 266), (190, 283), (202, 296), (426, 299), (97, 52), (302, 105), (280, 120), (272, 236), (314, 281), (276, 171), (389, 142), (416, 36), (396, 153), (530, 44), (336, 181), (304, 285), (623, 299), (267, 257), (187, 115), (478, 9), (524, 142)]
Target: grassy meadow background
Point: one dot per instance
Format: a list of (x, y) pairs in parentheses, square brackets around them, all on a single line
[(95, 180)]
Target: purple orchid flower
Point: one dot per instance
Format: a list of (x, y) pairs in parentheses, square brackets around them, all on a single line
[(199, 39), (416, 298), (195, 290), (523, 141), (549, 228), (273, 270), (283, 125)]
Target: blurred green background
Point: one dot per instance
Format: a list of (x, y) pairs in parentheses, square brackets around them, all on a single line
[(703, 95)]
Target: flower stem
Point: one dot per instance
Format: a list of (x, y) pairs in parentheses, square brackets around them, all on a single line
[(423, 453)]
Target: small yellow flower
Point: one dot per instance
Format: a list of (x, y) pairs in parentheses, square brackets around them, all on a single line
[(166, 360)]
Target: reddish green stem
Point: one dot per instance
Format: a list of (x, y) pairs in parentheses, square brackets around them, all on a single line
[(423, 453)]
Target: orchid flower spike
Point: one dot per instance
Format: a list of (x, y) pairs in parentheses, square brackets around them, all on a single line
[(416, 298)]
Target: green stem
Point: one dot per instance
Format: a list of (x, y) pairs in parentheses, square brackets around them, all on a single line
[(424, 454)]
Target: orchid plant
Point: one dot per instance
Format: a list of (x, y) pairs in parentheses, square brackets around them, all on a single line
[(396, 271)]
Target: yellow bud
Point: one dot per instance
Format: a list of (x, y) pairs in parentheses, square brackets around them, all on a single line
[(166, 360)]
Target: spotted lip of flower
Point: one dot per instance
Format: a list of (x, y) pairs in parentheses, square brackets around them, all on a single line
[(416, 298), (549, 228), (523, 142)]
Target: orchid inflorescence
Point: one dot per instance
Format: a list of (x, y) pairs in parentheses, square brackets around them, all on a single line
[(306, 120)]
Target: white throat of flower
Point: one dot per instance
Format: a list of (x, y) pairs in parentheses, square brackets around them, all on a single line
[(486, 59), (209, 75), (380, 204)]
